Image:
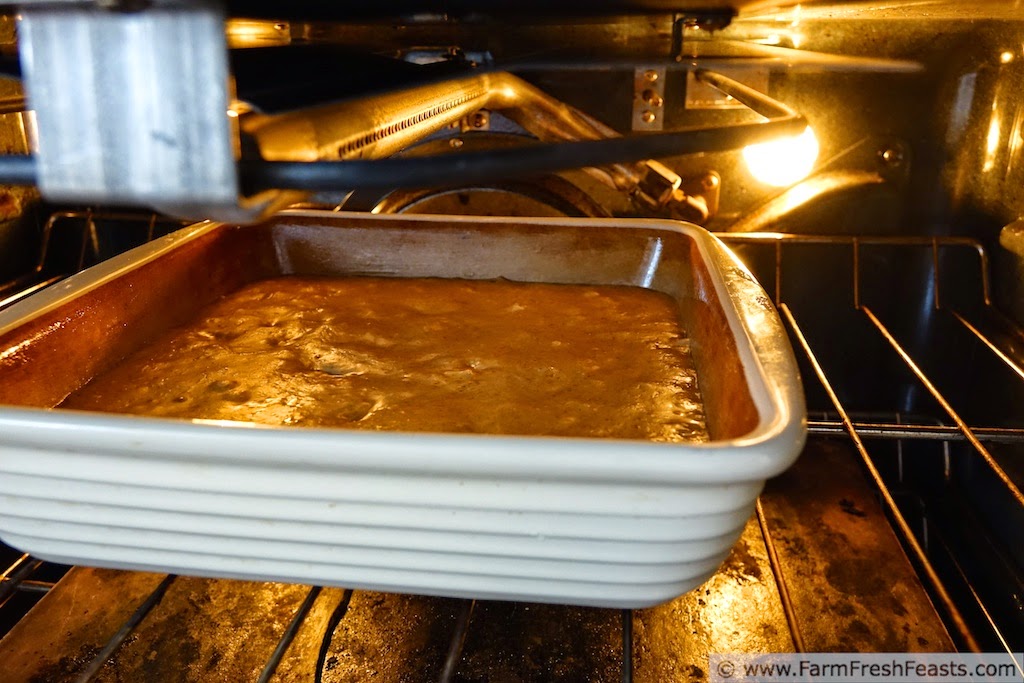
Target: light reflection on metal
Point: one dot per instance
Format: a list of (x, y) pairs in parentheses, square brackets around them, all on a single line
[(701, 95), (13, 104), (243, 33), (821, 185), (1006, 57), (1017, 138), (797, 13), (940, 10), (745, 46), (960, 111), (13, 351), (992, 141), (651, 262)]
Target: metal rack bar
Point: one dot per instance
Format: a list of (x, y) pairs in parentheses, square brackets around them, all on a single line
[(934, 244), (857, 241), (14, 576), (90, 217), (902, 525), (778, 272), (29, 283), (869, 240), (458, 641), (22, 293), (780, 581), (884, 430), (941, 400), (19, 283), (126, 629), (89, 237), (979, 603), (627, 646), (36, 586), (340, 610), (289, 635), (1009, 362)]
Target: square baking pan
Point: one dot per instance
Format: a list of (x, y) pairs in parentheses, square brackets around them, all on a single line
[(604, 522)]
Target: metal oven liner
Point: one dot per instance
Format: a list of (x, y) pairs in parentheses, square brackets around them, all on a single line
[(612, 523)]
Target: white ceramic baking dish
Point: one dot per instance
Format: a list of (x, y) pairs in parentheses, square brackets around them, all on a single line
[(596, 522)]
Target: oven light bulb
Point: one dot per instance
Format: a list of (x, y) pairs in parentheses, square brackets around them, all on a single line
[(784, 161)]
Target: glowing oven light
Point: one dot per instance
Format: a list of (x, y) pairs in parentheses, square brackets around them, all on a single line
[(784, 161)]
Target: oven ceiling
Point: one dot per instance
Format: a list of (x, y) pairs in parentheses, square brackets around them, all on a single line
[(510, 10), (494, 7)]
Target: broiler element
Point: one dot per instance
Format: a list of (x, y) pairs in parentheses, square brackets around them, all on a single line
[(128, 116), (651, 184), (383, 125), (133, 108)]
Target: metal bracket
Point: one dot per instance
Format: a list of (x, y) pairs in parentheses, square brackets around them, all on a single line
[(649, 98), (132, 107), (696, 200), (701, 95)]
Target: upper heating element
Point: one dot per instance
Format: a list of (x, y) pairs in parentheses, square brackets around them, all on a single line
[(135, 108)]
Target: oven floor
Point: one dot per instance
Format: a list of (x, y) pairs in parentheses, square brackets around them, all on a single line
[(849, 585)]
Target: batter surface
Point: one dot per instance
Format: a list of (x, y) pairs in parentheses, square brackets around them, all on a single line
[(421, 355)]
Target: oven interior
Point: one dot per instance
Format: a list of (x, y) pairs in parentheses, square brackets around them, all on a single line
[(895, 264)]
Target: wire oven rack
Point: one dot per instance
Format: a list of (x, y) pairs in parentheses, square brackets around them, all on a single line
[(977, 618), (916, 541)]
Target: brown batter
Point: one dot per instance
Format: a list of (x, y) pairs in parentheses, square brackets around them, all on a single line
[(421, 355)]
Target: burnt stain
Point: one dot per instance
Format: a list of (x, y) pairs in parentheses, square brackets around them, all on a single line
[(67, 668), (834, 543), (797, 546), (392, 637), (844, 609), (549, 643), (742, 565), (859, 630), (179, 652), (855, 576), (850, 508)]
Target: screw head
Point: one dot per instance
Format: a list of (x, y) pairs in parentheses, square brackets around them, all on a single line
[(647, 116), (652, 98), (651, 75), (892, 156), (455, 143)]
